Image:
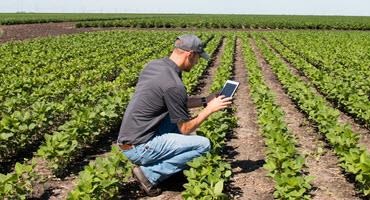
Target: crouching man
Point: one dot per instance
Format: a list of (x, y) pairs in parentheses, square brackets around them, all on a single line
[(156, 129)]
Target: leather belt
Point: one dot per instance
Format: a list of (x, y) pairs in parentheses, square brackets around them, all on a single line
[(126, 147)]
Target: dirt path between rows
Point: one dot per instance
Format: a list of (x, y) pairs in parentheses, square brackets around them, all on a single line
[(364, 133), (208, 76), (329, 182), (250, 179)]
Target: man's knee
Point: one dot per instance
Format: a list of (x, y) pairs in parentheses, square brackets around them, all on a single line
[(205, 145)]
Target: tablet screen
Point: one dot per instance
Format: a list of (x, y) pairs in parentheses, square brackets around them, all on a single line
[(228, 89)]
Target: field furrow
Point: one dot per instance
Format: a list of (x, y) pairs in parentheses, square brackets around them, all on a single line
[(353, 158), (246, 148), (343, 117), (321, 162)]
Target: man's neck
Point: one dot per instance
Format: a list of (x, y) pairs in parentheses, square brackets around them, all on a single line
[(177, 60)]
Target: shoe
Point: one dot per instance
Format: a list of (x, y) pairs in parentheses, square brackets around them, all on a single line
[(145, 184)]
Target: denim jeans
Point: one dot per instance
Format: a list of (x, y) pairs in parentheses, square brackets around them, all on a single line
[(167, 152)]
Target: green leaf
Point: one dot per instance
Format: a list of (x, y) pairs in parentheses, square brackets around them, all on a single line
[(219, 187), (6, 136), (227, 173)]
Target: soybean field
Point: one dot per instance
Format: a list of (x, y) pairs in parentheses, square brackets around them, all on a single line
[(299, 127)]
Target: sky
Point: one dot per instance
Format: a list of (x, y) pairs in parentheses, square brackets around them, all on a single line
[(286, 7)]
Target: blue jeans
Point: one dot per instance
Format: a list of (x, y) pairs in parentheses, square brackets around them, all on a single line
[(167, 152)]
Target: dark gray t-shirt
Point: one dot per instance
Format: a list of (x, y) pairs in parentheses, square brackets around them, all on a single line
[(159, 92)]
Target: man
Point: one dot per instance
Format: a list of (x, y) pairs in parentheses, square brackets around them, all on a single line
[(156, 130)]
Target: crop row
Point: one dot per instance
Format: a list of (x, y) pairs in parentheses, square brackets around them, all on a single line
[(47, 69), (236, 21), (284, 163), (335, 89), (192, 20), (103, 178), (30, 18), (354, 159), (330, 49), (208, 174), (343, 55)]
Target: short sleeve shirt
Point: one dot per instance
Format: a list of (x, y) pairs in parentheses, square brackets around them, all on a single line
[(159, 92)]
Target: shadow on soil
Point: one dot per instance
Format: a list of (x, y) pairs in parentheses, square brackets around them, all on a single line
[(247, 165)]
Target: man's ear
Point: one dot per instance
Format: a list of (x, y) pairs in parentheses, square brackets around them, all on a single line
[(192, 54), (189, 55)]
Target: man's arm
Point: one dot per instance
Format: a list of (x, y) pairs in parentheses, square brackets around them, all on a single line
[(214, 105)]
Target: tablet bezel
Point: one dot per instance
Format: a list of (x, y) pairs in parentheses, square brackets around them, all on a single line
[(233, 83)]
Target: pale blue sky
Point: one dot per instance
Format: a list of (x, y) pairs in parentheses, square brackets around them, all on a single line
[(301, 7)]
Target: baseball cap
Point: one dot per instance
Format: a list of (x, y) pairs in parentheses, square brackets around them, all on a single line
[(189, 42)]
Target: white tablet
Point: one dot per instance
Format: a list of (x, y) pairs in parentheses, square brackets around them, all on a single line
[(229, 88)]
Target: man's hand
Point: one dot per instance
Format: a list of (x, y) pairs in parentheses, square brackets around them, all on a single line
[(218, 103)]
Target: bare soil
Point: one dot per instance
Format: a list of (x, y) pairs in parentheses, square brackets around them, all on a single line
[(21, 32), (29, 31), (51, 187), (321, 162), (247, 148)]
